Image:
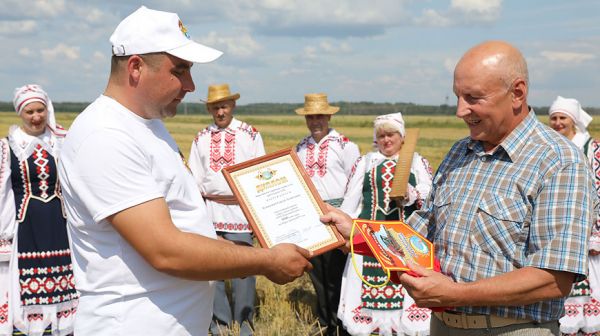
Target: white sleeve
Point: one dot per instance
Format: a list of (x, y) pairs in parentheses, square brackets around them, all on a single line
[(424, 179), (111, 172), (7, 204), (259, 146), (195, 164), (352, 204), (351, 154)]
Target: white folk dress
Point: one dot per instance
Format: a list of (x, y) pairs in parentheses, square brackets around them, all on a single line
[(389, 310), (37, 289), (582, 307), (213, 149)]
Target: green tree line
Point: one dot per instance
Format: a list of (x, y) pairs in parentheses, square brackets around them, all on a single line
[(346, 108)]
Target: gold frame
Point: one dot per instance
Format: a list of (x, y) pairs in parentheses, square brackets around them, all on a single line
[(260, 166)]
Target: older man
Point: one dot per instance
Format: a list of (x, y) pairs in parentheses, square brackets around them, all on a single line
[(328, 158), (224, 143), (510, 212), (143, 245)]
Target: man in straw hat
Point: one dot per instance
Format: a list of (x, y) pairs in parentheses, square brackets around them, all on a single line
[(509, 245), (224, 143), (328, 158), (144, 248)]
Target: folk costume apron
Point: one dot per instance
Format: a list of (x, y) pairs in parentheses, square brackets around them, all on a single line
[(387, 310)]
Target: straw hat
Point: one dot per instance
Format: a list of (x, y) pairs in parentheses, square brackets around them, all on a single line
[(220, 92), (316, 103)]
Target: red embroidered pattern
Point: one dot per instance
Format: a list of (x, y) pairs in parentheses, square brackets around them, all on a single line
[(417, 314), (26, 190), (3, 158), (40, 158), (591, 308), (231, 226), (4, 313), (359, 318), (218, 158), (572, 309), (319, 166), (44, 254), (249, 129), (387, 175), (387, 292)]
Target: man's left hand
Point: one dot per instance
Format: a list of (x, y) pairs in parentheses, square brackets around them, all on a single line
[(430, 288)]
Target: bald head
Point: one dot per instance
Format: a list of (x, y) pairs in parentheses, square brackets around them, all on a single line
[(502, 60), (490, 82)]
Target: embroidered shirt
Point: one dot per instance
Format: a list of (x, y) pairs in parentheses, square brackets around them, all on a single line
[(213, 149), (328, 162), (528, 203)]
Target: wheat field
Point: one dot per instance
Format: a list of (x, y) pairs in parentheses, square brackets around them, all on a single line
[(289, 309)]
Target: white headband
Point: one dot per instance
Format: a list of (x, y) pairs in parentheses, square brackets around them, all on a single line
[(393, 120), (572, 108), (30, 93)]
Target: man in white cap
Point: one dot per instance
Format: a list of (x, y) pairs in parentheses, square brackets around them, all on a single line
[(224, 143), (144, 248), (328, 158)]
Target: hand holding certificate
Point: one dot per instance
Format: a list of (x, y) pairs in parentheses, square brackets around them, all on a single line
[(281, 203)]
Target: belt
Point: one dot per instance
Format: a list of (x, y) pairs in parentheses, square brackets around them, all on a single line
[(476, 321), (222, 199)]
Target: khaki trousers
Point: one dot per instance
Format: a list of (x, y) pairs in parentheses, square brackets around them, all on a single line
[(438, 328)]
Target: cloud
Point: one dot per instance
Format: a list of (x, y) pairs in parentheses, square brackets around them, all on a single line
[(567, 57), (478, 7), (317, 18), (17, 27), (432, 18), (239, 45), (461, 12), (17, 9), (61, 51), (25, 52)]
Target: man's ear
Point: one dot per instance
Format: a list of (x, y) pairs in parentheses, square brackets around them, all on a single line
[(519, 93), (134, 67)]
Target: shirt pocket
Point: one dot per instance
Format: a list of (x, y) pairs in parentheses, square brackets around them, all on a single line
[(499, 226), (442, 207)]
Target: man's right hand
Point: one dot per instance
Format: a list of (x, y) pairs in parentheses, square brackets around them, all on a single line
[(288, 262)]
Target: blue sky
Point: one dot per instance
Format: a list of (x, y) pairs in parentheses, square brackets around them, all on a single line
[(278, 50)]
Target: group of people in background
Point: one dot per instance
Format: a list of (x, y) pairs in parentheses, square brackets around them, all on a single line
[(510, 209)]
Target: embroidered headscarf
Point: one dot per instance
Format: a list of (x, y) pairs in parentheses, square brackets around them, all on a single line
[(581, 119), (34, 93), (393, 120)]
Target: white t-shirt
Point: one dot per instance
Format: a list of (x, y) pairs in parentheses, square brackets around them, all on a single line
[(112, 160)]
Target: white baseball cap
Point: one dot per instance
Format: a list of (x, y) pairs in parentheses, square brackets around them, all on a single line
[(148, 31)]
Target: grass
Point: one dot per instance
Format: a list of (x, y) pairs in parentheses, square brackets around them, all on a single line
[(289, 309)]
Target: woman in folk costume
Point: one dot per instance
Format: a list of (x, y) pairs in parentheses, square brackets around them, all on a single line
[(387, 310), (582, 308), (37, 291)]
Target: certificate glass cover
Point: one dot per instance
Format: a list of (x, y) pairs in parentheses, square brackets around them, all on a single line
[(281, 203)]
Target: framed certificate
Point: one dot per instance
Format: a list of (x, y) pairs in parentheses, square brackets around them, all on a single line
[(281, 203)]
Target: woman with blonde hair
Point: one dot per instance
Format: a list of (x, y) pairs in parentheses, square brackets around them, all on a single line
[(37, 290), (389, 309)]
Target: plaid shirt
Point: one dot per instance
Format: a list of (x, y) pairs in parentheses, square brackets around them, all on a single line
[(528, 203)]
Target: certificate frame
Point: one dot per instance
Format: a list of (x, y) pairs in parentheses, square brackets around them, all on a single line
[(252, 181)]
